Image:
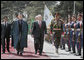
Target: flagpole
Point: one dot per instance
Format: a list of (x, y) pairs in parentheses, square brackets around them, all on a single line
[(74, 7), (44, 3)]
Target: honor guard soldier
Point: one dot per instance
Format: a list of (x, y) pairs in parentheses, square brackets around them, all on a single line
[(62, 42), (78, 36), (81, 32), (66, 35), (73, 35), (69, 30), (56, 29)]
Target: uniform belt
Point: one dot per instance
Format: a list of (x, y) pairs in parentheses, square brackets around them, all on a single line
[(78, 29), (72, 29), (66, 29), (62, 35), (67, 32), (56, 29), (78, 34)]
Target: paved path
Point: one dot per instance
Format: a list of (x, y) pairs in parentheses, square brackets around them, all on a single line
[(28, 52), (49, 49), (48, 52)]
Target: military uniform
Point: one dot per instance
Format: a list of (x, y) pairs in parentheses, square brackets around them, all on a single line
[(66, 35), (78, 38), (69, 40), (71, 34), (62, 45), (81, 32), (73, 37), (81, 27), (56, 29)]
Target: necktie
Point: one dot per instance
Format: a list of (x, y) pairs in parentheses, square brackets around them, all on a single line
[(40, 24), (5, 24), (20, 21)]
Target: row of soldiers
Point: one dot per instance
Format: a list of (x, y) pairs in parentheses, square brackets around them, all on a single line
[(70, 33), (73, 34)]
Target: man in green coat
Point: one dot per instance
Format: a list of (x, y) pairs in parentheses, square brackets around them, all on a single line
[(56, 30), (19, 32)]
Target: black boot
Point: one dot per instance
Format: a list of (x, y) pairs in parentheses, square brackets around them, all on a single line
[(3, 52), (73, 49), (9, 51), (17, 52), (40, 53), (35, 52)]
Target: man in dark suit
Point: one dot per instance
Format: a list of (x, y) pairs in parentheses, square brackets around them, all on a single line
[(19, 33), (5, 33), (38, 31)]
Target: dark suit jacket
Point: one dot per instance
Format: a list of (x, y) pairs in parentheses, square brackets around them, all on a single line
[(37, 31), (5, 31)]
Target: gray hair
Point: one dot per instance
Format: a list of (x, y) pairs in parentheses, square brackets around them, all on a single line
[(36, 16), (39, 15)]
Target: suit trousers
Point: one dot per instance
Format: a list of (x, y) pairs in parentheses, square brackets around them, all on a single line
[(19, 48), (38, 44), (57, 37), (3, 43)]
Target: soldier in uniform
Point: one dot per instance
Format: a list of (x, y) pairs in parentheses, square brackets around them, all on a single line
[(81, 27), (73, 35), (56, 29), (51, 31), (66, 35), (69, 40), (62, 42), (72, 45), (78, 35)]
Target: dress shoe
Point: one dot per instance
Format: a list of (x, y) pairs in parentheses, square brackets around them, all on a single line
[(35, 52), (3, 52), (18, 53), (81, 57), (40, 54), (9, 51), (69, 50), (77, 54), (73, 51), (63, 47), (21, 54)]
